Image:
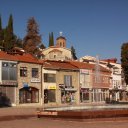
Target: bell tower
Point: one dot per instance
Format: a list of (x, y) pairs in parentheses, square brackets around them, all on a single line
[(61, 41)]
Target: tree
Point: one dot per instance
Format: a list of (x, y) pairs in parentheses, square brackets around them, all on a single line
[(32, 39), (1, 34), (124, 60), (73, 53), (9, 37), (51, 39), (42, 46)]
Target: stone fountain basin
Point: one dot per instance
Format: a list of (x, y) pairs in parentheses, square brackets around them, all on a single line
[(84, 114)]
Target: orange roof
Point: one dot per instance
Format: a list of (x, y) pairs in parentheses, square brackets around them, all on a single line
[(23, 58), (5, 56), (83, 65), (111, 60), (59, 65)]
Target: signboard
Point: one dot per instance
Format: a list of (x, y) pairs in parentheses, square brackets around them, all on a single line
[(85, 71), (52, 87), (35, 80)]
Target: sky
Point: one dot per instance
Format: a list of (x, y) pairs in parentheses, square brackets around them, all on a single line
[(92, 27)]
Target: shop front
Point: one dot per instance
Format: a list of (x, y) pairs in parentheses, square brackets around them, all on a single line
[(99, 94), (84, 95), (50, 94), (28, 94), (68, 95), (8, 93)]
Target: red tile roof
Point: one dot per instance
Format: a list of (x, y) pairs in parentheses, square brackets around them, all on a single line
[(59, 65), (83, 65), (5, 56), (22, 58)]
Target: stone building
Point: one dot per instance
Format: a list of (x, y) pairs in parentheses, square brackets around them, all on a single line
[(60, 83), (57, 52), (29, 90)]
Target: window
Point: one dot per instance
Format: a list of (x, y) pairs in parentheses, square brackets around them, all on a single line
[(9, 71), (35, 72), (68, 80), (23, 71), (49, 77)]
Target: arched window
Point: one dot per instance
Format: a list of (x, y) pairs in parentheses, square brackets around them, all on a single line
[(28, 95)]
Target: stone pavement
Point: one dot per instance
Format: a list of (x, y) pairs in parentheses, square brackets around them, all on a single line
[(8, 113), (30, 111)]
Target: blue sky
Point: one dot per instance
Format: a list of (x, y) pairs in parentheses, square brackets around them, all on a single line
[(93, 27)]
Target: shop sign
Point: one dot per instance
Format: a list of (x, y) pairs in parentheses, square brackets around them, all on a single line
[(35, 80), (52, 87), (85, 71)]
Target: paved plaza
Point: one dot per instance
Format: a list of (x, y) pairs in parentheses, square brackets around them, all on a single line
[(25, 117)]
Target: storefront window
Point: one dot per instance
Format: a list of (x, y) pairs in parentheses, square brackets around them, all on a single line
[(49, 95), (29, 95), (84, 95), (67, 97)]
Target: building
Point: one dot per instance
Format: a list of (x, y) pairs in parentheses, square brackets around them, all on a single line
[(29, 90), (57, 52), (8, 79), (118, 88), (94, 84), (60, 83), (20, 79)]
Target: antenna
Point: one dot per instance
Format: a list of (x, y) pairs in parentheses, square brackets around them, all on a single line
[(61, 33)]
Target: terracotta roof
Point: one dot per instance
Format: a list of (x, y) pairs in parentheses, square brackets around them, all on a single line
[(5, 56), (23, 58), (27, 58), (111, 60), (59, 65), (83, 65)]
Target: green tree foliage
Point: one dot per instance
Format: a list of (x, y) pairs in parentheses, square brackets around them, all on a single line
[(7, 37), (124, 60), (51, 39), (73, 52), (32, 39), (42, 46), (1, 33)]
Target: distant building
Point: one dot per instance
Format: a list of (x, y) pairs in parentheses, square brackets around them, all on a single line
[(118, 88)]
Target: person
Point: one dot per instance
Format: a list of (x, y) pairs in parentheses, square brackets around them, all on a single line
[(63, 99)]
